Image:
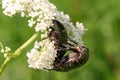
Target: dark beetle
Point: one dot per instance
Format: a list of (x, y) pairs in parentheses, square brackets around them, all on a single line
[(78, 55)]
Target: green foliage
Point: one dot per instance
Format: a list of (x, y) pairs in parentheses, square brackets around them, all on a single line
[(101, 18)]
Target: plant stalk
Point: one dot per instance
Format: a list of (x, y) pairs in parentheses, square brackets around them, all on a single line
[(17, 53)]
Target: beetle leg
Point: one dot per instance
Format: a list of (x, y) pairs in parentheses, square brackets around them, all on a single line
[(70, 48), (62, 49), (72, 42)]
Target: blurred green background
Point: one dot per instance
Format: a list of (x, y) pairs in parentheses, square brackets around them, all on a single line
[(101, 18)]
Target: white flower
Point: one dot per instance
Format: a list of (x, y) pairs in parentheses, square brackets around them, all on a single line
[(5, 51), (31, 22), (42, 56)]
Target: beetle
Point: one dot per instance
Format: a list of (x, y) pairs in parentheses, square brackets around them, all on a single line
[(77, 55)]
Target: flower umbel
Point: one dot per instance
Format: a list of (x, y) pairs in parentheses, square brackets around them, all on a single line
[(5, 50), (41, 13)]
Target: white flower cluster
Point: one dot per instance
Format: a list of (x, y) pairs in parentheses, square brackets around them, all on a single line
[(5, 51), (41, 14), (42, 56)]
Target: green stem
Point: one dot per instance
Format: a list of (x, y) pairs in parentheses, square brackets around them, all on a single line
[(6, 61), (17, 52)]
